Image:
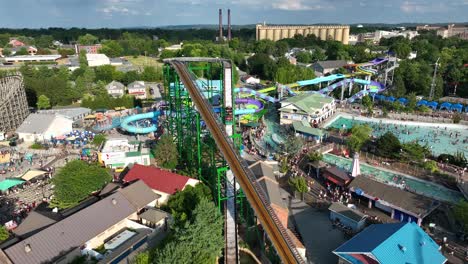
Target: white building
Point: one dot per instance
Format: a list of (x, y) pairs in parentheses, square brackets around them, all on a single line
[(137, 89), (31, 58), (115, 89), (250, 79), (97, 60), (312, 108), (40, 127), (120, 152)]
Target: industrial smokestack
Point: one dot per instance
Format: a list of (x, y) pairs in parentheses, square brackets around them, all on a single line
[(220, 25), (229, 25)]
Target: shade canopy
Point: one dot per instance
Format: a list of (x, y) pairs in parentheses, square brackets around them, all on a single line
[(421, 102), (446, 106)]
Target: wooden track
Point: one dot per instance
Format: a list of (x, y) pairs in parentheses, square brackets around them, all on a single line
[(254, 193)]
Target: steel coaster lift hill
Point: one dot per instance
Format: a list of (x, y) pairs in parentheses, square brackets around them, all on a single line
[(190, 109)]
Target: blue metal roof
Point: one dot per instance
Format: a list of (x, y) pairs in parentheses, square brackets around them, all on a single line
[(399, 243)]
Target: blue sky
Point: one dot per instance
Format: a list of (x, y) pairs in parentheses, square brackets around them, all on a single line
[(128, 13)]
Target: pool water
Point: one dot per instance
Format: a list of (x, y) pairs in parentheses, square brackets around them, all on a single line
[(439, 138), (422, 187)]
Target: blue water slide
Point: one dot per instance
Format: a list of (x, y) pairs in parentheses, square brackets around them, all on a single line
[(321, 79), (126, 123), (374, 87), (256, 94)]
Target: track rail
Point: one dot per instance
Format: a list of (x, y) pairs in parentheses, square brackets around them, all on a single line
[(256, 196)]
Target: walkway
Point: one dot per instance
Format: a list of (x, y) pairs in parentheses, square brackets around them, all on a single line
[(317, 232)]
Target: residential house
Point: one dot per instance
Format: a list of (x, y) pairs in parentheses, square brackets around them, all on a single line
[(174, 47), (90, 49), (95, 59), (137, 89), (113, 224), (16, 43), (312, 108), (399, 243), (326, 67), (349, 217), (162, 182), (40, 127), (115, 89), (248, 79), (32, 50)]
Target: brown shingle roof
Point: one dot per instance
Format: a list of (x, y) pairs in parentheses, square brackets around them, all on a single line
[(414, 203), (74, 231)]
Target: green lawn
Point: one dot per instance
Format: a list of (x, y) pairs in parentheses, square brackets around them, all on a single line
[(142, 61)]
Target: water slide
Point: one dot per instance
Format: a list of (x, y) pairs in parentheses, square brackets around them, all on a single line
[(374, 87), (257, 106), (126, 123), (258, 94)]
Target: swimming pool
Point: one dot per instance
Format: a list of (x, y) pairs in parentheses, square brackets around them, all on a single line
[(390, 178), (440, 138)]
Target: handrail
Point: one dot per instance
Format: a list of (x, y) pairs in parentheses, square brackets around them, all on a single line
[(254, 193)]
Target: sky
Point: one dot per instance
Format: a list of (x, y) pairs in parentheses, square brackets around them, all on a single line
[(153, 13)]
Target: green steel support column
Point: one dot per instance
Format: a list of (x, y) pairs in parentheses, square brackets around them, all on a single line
[(199, 152)]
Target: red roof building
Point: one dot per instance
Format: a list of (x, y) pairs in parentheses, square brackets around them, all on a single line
[(162, 182)]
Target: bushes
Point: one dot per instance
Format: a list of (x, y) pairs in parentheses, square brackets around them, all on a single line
[(299, 184)]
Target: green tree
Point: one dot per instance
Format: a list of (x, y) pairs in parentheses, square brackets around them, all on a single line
[(359, 135), (66, 52), (76, 181), (182, 203), (299, 184), (22, 51), (4, 235), (200, 242), (104, 73), (412, 151), (367, 102), (262, 65), (388, 145), (166, 153), (6, 52), (304, 57), (111, 48), (99, 139), (461, 214), (87, 39), (82, 59), (44, 41), (314, 156), (43, 102), (151, 74)]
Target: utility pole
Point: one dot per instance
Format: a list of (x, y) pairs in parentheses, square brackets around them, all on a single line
[(431, 94)]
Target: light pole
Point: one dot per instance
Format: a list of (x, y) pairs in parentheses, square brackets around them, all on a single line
[(431, 94)]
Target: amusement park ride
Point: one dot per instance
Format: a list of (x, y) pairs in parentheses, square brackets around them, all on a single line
[(201, 117)]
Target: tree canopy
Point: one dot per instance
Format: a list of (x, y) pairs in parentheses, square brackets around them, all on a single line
[(76, 181), (388, 145), (359, 135), (461, 214), (182, 203), (201, 241), (4, 235), (166, 153), (43, 102)]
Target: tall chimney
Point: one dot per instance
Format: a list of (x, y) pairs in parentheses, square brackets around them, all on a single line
[(229, 25), (220, 25)]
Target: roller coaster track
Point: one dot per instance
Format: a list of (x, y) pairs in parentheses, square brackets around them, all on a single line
[(254, 193)]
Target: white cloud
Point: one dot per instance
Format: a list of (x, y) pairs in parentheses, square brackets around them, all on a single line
[(424, 7), (299, 5), (123, 7)]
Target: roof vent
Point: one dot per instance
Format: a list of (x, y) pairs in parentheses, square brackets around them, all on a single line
[(422, 243), (27, 248), (402, 248), (114, 201)]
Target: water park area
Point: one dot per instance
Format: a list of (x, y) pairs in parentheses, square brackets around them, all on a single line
[(441, 138), (399, 180)]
